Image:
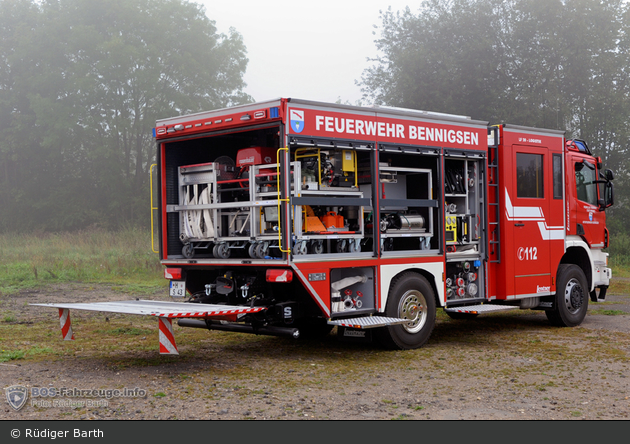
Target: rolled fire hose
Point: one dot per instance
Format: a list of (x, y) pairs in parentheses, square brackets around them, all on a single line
[(198, 223)]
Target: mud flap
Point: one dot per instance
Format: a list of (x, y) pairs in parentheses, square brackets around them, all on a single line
[(595, 297), (346, 334)]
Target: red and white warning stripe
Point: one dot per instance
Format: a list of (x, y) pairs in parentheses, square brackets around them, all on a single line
[(204, 314), (66, 326), (167, 340)]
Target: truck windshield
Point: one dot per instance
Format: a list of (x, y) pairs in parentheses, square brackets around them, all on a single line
[(585, 177)]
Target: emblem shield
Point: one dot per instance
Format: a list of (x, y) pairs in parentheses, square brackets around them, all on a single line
[(297, 121), (17, 396)]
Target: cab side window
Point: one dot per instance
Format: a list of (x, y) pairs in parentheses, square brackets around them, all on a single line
[(585, 177), (557, 177), (529, 175)]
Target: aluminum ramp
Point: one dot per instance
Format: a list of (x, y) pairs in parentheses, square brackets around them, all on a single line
[(481, 308), (164, 311), (367, 322)]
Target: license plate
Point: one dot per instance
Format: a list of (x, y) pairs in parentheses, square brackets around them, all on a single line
[(177, 289)]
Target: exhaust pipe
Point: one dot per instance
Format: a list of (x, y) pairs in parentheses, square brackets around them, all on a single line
[(242, 328)]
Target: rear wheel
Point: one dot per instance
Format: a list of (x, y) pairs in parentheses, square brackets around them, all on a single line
[(571, 300), (410, 297)]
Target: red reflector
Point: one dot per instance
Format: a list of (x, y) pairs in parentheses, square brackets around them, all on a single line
[(279, 275), (173, 273)]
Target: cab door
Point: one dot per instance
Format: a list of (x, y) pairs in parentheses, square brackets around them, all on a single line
[(530, 206), (589, 220)]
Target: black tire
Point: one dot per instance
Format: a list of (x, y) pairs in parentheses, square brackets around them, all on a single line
[(221, 251), (317, 247), (571, 300), (188, 251), (410, 297)]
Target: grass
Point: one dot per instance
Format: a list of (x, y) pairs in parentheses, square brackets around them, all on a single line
[(609, 312), (11, 355), (531, 357), (91, 256)]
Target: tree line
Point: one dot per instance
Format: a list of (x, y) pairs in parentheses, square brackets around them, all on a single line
[(559, 64), (82, 83)]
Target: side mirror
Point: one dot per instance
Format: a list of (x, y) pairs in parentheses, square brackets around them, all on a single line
[(609, 175), (609, 195), (609, 198)]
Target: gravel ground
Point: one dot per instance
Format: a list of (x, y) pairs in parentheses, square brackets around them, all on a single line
[(491, 368)]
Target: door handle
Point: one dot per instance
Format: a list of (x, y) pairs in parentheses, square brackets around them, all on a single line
[(519, 225)]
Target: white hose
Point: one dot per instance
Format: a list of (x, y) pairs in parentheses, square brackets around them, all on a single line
[(197, 223), (206, 219), (346, 282)]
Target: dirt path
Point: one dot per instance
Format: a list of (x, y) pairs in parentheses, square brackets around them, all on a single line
[(504, 366)]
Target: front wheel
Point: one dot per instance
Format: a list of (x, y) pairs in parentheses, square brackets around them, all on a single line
[(571, 300), (410, 297)]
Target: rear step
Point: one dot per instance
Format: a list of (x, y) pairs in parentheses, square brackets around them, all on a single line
[(382, 321), (481, 308), (367, 322)]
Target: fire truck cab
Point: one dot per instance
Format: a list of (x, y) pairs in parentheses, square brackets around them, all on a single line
[(551, 227)]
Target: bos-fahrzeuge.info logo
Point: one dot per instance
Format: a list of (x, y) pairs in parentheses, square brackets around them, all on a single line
[(17, 396)]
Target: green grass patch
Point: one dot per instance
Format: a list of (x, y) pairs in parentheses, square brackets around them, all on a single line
[(11, 355), (131, 331), (43, 351), (619, 286), (608, 312), (121, 257)]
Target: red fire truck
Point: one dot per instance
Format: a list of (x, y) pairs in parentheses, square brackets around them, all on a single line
[(291, 217)]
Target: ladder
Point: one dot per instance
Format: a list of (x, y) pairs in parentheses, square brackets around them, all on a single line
[(494, 235)]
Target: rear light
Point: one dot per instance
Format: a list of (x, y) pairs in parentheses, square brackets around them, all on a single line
[(279, 276), (173, 273)]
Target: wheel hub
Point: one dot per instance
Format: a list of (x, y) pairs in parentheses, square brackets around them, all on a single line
[(412, 307), (573, 296)]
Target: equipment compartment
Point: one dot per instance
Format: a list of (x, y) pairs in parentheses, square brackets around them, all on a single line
[(408, 202), (213, 186), (328, 205), (352, 290)]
